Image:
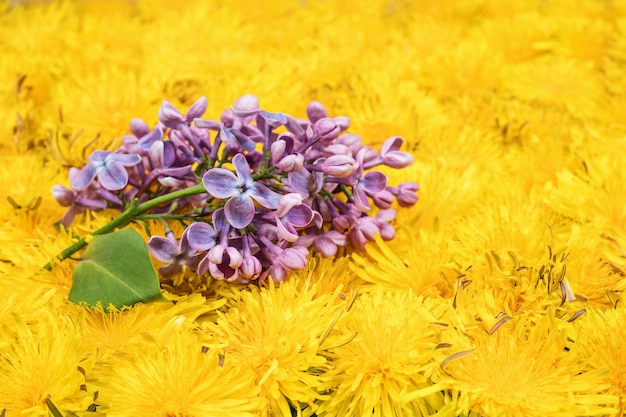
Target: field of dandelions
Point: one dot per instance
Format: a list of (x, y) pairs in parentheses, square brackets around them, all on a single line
[(501, 294)]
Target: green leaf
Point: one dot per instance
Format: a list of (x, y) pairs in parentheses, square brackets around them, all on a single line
[(115, 269)]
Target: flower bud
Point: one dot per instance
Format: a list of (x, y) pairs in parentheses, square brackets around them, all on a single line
[(315, 111), (343, 122), (340, 166), (250, 267), (139, 127), (291, 163), (326, 129), (352, 141), (277, 150), (397, 159), (407, 194), (295, 258), (246, 105), (170, 116), (337, 149), (197, 109), (383, 200), (62, 195), (343, 223)]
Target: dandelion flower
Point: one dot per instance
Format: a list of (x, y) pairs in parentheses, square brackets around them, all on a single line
[(385, 370), (43, 360), (180, 379), (602, 335), (280, 333), (526, 367)]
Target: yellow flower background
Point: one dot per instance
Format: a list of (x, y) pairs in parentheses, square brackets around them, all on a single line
[(501, 294)]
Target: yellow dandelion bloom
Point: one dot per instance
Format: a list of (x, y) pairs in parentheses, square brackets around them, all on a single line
[(602, 336), (121, 331), (385, 370), (43, 360), (526, 367), (281, 333), (180, 379)]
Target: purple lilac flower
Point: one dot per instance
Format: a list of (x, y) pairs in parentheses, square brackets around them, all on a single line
[(110, 169), (240, 190), (275, 186), (176, 255)]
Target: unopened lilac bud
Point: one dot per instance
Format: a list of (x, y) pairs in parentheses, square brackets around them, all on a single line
[(197, 109), (352, 141), (340, 166), (407, 194), (277, 149), (139, 127), (343, 122), (383, 200), (295, 258), (327, 129), (315, 111), (250, 267), (291, 163), (169, 115), (246, 105), (386, 231), (62, 195), (398, 159), (337, 149), (343, 223)]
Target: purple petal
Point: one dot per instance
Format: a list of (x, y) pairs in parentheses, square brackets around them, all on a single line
[(243, 169), (234, 257), (156, 154), (124, 159), (112, 176), (99, 156), (200, 236), (84, 177), (301, 181), (152, 137), (239, 211), (220, 183), (203, 266), (162, 248), (373, 182), (219, 220), (169, 115), (139, 127), (273, 119), (286, 231), (246, 105), (264, 195), (386, 215), (397, 159), (293, 126), (300, 215), (197, 109), (392, 144), (207, 124), (243, 140), (360, 200), (287, 202)]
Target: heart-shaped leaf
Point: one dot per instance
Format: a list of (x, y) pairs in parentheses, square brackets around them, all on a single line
[(115, 269)]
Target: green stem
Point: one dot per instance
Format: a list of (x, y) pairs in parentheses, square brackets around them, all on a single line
[(124, 219)]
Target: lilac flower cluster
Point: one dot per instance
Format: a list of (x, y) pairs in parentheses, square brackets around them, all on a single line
[(273, 187)]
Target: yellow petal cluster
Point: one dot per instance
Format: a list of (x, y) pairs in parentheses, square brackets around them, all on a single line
[(502, 293)]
